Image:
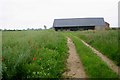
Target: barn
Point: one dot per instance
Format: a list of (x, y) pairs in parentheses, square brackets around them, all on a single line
[(74, 24)]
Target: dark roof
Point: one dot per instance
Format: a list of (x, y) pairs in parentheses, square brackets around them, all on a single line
[(71, 22)]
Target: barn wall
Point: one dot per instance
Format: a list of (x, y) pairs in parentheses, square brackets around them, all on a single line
[(99, 27)]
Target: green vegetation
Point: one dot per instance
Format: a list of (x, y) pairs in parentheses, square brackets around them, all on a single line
[(93, 65), (43, 54), (33, 54), (0, 54), (104, 41)]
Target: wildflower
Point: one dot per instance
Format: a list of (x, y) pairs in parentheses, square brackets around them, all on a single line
[(34, 58), (36, 49)]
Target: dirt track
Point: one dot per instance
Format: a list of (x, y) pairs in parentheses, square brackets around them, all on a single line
[(74, 65), (109, 62), (75, 68)]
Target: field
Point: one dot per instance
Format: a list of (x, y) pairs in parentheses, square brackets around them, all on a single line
[(104, 41), (33, 54), (43, 54), (94, 66)]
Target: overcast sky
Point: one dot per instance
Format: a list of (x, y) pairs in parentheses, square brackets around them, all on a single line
[(23, 14)]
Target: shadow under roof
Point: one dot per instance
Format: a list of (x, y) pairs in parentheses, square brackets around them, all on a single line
[(71, 22)]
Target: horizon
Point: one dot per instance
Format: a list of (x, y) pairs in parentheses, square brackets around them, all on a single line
[(23, 14)]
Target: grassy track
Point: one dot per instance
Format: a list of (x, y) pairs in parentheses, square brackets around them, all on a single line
[(104, 41), (94, 66), (33, 54)]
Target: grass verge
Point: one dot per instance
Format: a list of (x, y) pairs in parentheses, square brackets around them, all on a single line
[(107, 42), (93, 65)]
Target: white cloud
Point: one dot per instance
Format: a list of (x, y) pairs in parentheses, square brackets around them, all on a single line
[(36, 13)]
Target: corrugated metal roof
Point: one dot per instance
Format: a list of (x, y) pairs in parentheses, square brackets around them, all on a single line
[(71, 22)]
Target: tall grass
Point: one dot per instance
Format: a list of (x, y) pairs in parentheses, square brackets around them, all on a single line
[(93, 65), (33, 54), (104, 41)]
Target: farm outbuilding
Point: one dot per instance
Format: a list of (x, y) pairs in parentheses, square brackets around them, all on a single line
[(74, 24), (107, 25)]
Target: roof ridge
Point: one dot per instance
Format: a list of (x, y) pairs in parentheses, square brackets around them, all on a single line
[(80, 18)]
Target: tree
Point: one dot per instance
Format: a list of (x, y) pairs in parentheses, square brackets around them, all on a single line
[(45, 27)]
